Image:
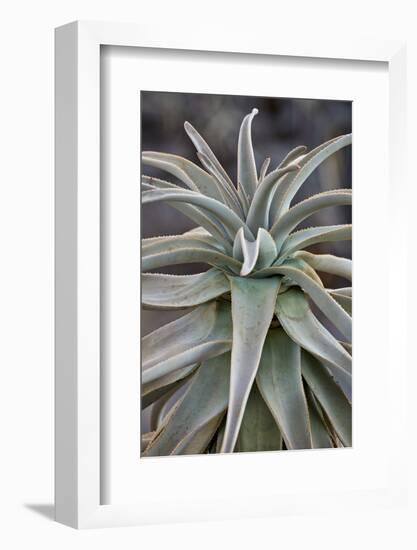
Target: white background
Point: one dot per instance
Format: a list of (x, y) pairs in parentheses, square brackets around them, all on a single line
[(26, 285)]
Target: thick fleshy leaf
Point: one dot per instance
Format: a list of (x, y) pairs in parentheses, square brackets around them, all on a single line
[(286, 191), (204, 350), (244, 199), (264, 169), (150, 182), (246, 165), (189, 173), (200, 231), (327, 263), (202, 147), (196, 231), (200, 441), (294, 156), (229, 192), (146, 439), (346, 291), (184, 250), (246, 252), (161, 408), (344, 301), (189, 256), (154, 390), (185, 428), (258, 431), (298, 264), (298, 213), (253, 302), (347, 347), (222, 213), (206, 220), (280, 383), (330, 396), (259, 254), (323, 300), (313, 235), (181, 291), (319, 434), (209, 335), (168, 243), (201, 218), (302, 326), (258, 214), (184, 332)]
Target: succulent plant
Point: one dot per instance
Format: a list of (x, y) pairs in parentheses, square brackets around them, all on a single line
[(248, 366)]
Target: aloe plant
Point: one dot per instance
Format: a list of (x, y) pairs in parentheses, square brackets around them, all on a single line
[(249, 366)]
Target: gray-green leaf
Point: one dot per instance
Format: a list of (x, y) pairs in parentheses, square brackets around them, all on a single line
[(258, 214), (208, 328), (202, 147), (258, 431), (185, 429), (330, 396), (246, 167), (159, 387), (280, 383), (301, 325), (222, 213), (313, 235), (285, 193), (323, 300), (182, 250), (327, 263), (253, 302), (181, 291), (260, 253), (319, 434), (298, 213), (189, 173)]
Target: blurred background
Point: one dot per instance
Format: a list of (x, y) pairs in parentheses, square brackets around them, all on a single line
[(281, 125)]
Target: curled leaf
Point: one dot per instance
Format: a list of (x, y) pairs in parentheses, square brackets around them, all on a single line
[(259, 253), (246, 168)]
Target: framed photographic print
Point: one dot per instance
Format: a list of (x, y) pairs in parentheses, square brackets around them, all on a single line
[(222, 350)]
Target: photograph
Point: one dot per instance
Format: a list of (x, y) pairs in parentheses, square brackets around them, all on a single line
[(191, 193), (246, 274)]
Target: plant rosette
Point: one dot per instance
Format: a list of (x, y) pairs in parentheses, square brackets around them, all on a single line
[(249, 367)]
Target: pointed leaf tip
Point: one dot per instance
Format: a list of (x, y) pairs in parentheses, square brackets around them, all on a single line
[(246, 167)]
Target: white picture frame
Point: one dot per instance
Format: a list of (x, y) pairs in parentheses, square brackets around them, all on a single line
[(78, 263)]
